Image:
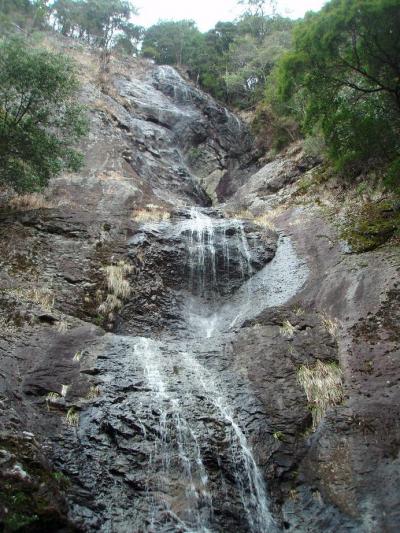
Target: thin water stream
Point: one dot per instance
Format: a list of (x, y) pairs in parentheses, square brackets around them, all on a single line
[(173, 427), (201, 465)]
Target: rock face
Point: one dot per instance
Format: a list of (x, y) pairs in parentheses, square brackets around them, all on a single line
[(342, 476), (151, 347)]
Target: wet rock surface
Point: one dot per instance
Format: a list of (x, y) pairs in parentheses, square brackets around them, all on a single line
[(85, 414), (332, 483)]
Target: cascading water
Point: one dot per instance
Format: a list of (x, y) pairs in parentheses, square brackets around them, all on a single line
[(200, 451), (166, 447), (190, 403), (215, 247)]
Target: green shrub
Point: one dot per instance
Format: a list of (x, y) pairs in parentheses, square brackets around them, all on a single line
[(39, 119)]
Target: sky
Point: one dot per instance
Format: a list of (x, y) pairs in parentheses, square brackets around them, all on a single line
[(206, 13)]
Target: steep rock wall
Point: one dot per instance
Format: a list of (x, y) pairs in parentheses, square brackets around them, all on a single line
[(154, 138)]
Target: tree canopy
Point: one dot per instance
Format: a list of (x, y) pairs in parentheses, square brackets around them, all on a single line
[(39, 119), (173, 42), (346, 65), (102, 23), (232, 61), (25, 15)]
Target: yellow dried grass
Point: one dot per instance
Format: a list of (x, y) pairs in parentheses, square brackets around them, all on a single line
[(151, 213), (26, 202), (323, 386)]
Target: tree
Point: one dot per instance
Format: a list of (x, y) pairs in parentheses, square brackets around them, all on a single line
[(172, 42), (39, 120), (250, 64), (255, 16), (346, 62), (127, 42), (25, 15), (98, 22)]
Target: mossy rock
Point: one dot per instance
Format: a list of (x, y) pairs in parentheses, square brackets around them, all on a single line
[(372, 226)]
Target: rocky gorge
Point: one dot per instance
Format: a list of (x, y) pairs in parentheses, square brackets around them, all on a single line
[(161, 312)]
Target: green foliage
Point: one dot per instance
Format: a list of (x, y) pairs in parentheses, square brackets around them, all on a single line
[(173, 42), (23, 15), (393, 175), (101, 23), (39, 120), (232, 61), (345, 67), (255, 18), (278, 435)]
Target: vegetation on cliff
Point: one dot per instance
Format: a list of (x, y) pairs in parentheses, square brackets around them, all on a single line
[(39, 118), (342, 80), (331, 78)]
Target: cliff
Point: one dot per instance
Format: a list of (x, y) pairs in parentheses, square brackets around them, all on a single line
[(130, 307)]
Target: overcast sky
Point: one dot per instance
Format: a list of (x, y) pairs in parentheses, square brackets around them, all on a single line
[(207, 13)]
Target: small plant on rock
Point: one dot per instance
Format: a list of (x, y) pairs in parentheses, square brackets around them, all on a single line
[(116, 281), (51, 398), (323, 386), (26, 202), (118, 287), (77, 357), (287, 329), (72, 417), (151, 213), (330, 324), (93, 393), (278, 435)]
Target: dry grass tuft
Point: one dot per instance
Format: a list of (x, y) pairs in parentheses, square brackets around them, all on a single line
[(77, 357), (111, 304), (287, 329), (33, 200), (7, 327), (323, 386), (51, 398), (330, 324), (151, 213), (93, 393), (72, 417), (116, 282), (62, 326), (118, 287), (299, 311), (43, 296), (265, 220), (243, 214)]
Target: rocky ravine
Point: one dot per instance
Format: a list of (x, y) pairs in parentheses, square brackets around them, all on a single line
[(71, 449)]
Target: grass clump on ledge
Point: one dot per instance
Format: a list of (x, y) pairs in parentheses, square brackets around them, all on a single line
[(72, 417), (150, 213), (287, 329), (118, 287), (331, 325), (266, 220), (323, 386), (43, 296), (116, 282), (26, 202)]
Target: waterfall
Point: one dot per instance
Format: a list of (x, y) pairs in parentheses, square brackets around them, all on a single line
[(176, 465), (215, 247), (167, 445), (200, 460)]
